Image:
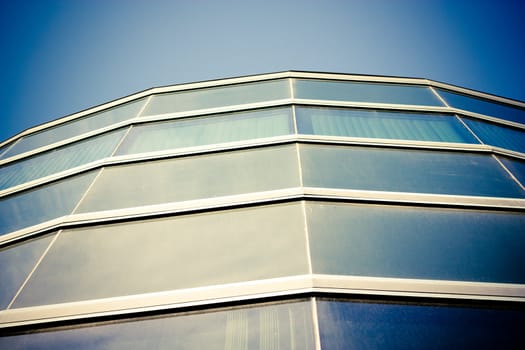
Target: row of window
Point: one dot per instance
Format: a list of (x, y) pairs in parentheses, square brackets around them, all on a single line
[(264, 123), (265, 169), (335, 324), (263, 242), (272, 90)]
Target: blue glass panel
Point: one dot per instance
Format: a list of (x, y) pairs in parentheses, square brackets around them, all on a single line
[(359, 325), (261, 326), (43, 203), (477, 105), (516, 167), (218, 96), (381, 124), (208, 130), (16, 262), (175, 253), (365, 92), (498, 135), (387, 169), (417, 242), (76, 127), (58, 160), (195, 177)]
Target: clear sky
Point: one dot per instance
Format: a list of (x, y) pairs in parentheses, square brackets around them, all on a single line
[(62, 56)]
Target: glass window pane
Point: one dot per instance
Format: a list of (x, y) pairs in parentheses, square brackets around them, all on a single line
[(208, 130), (364, 92), (218, 96), (498, 135), (387, 169), (360, 325), (59, 159), (16, 262), (43, 203), (381, 124), (76, 127), (177, 252), (261, 326), (516, 167), (477, 105), (416, 242), (197, 177)]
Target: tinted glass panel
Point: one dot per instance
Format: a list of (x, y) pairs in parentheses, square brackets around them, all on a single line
[(356, 325), (498, 135), (208, 130), (59, 159), (416, 242), (481, 106), (16, 262), (197, 177), (381, 124), (179, 252), (382, 169), (516, 167), (277, 326), (218, 97), (43, 203), (365, 92), (76, 127)]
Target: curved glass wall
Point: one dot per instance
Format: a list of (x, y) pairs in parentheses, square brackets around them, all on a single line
[(482, 106), (76, 127), (218, 97)]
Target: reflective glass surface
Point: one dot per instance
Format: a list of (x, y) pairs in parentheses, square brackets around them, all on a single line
[(43, 203), (498, 135), (360, 325), (365, 92), (208, 130), (76, 127), (481, 106), (381, 124), (59, 159), (386, 169), (416, 242), (516, 167), (194, 177), (16, 262), (172, 253), (271, 326), (218, 96)]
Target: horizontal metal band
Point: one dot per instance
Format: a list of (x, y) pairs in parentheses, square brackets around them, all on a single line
[(253, 290), (266, 197)]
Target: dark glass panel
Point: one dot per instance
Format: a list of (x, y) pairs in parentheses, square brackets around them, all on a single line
[(365, 92), (76, 127), (229, 95), (387, 169), (173, 253), (261, 326), (43, 203), (417, 242), (498, 135), (16, 262), (208, 130), (57, 160), (516, 167), (481, 106), (196, 177), (381, 124), (359, 325)]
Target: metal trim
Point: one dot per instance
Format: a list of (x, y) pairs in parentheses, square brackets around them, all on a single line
[(253, 290)]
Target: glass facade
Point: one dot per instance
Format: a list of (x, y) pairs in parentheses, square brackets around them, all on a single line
[(292, 210)]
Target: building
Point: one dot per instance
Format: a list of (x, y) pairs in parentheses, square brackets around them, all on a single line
[(291, 210)]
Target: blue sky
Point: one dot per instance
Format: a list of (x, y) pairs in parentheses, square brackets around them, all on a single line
[(60, 57)]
